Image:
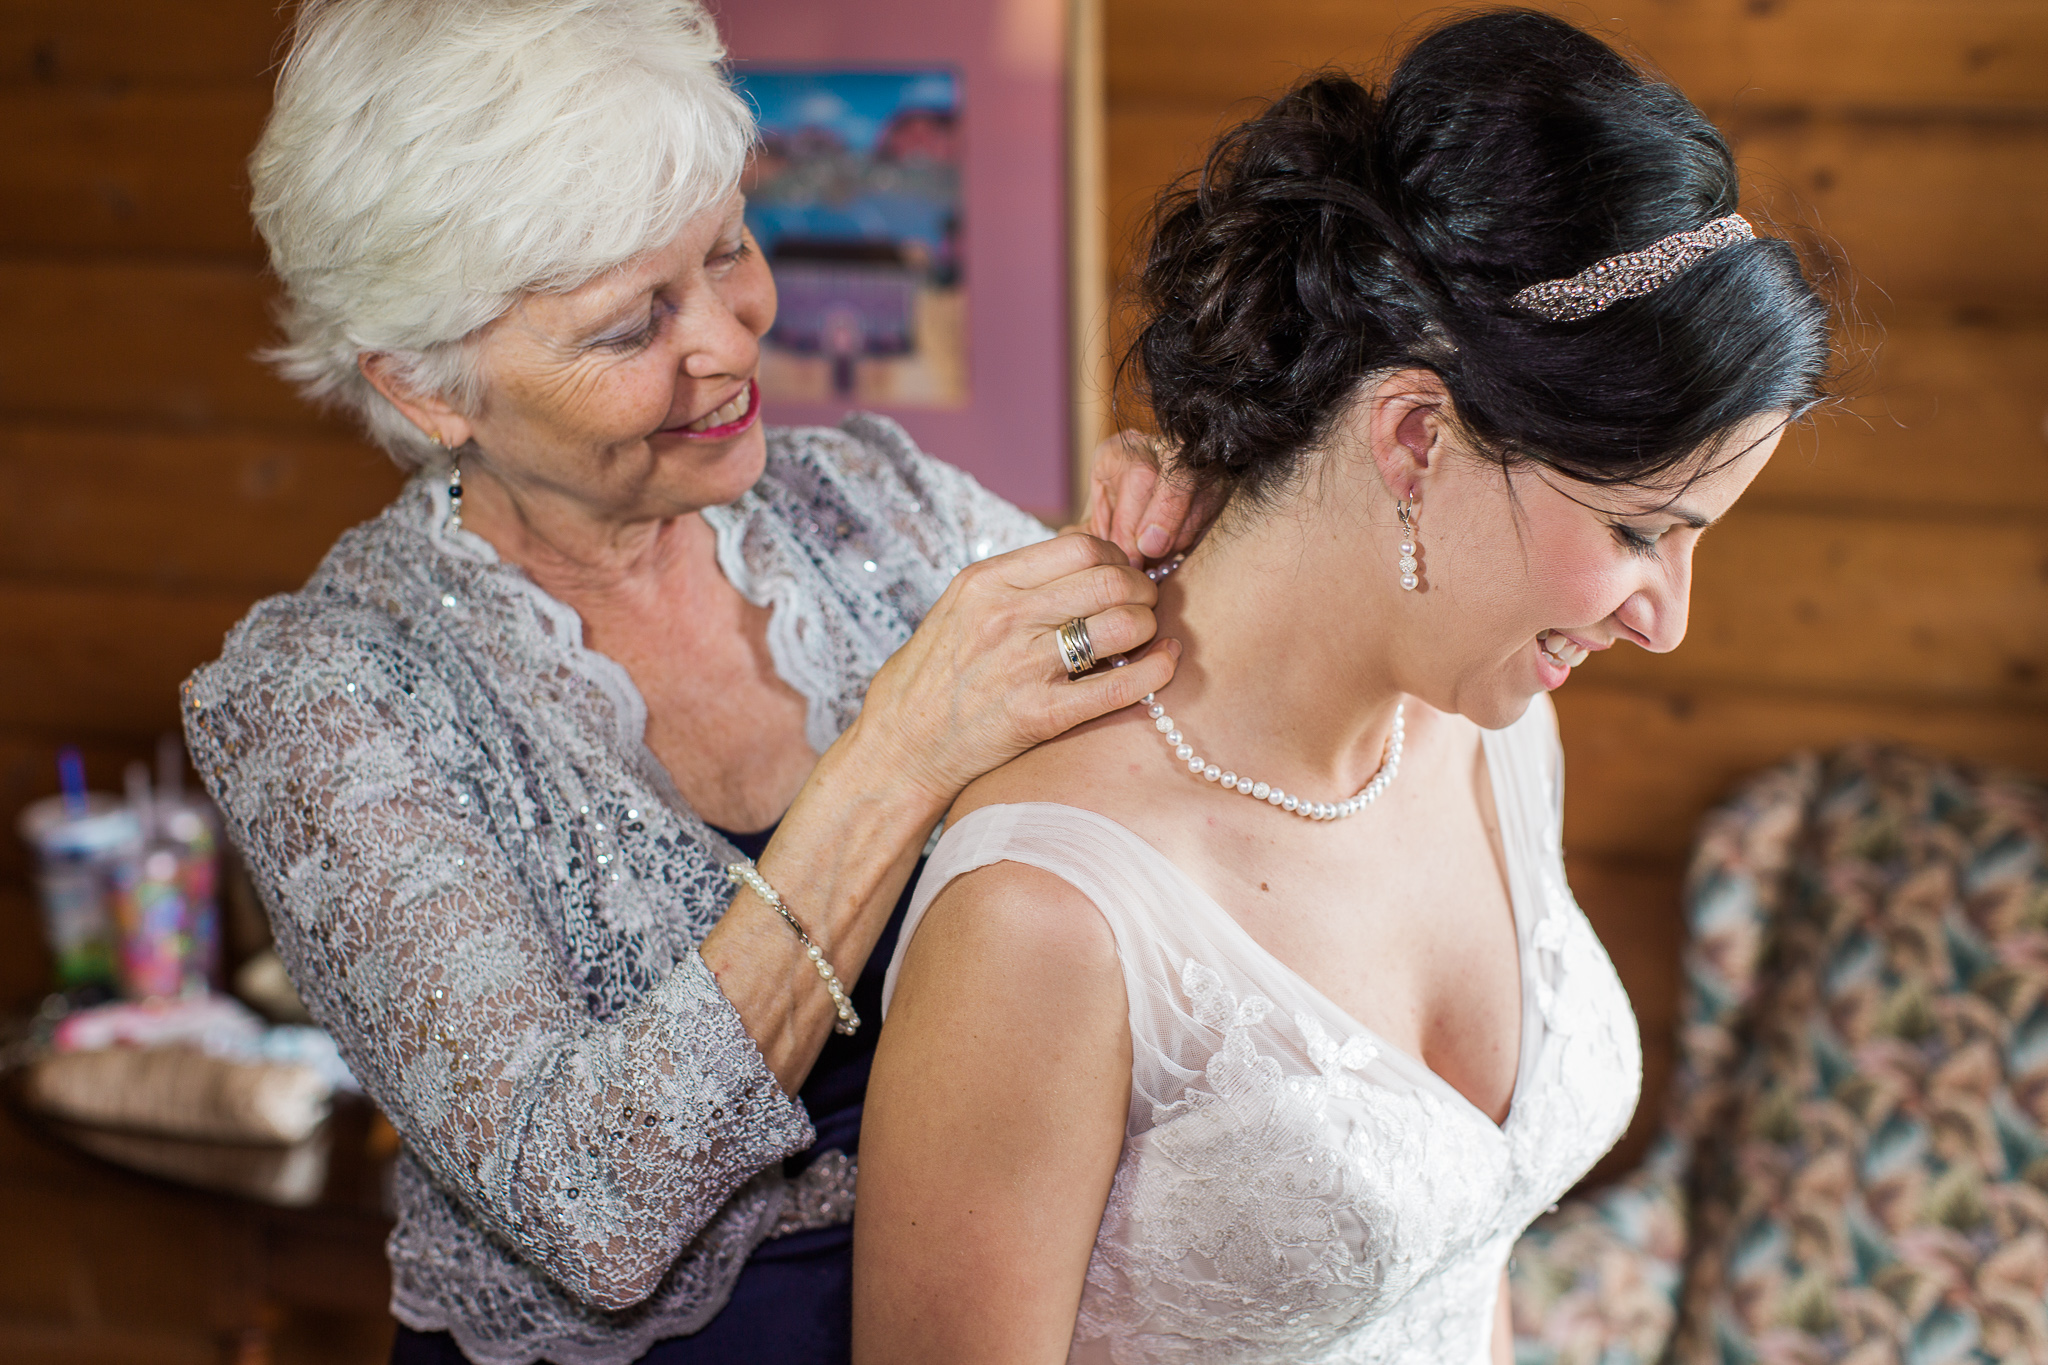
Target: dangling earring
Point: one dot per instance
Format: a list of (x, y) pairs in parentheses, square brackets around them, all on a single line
[(454, 481), (1408, 578)]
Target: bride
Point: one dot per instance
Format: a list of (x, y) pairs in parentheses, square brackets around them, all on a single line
[(1255, 1023)]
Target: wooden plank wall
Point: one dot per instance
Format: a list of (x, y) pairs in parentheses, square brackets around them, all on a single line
[(1888, 576), (154, 481)]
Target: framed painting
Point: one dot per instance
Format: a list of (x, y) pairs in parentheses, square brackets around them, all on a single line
[(853, 193), (910, 190)]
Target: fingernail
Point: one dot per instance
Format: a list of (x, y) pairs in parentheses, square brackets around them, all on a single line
[(1152, 541)]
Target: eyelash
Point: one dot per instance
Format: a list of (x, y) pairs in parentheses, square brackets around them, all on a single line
[(638, 340), (634, 341), (1635, 541)]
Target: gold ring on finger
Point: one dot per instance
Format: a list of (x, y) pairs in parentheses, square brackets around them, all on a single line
[(1075, 650)]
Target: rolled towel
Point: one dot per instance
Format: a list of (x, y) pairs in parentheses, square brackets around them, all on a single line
[(181, 1092)]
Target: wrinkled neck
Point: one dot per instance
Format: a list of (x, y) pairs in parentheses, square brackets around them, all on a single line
[(576, 553)]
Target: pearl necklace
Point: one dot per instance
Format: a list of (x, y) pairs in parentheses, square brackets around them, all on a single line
[(1390, 766)]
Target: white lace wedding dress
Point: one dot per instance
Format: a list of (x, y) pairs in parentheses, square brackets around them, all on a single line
[(1292, 1187)]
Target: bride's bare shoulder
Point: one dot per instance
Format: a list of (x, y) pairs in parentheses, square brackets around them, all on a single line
[(1011, 926), (1092, 766), (1009, 911)]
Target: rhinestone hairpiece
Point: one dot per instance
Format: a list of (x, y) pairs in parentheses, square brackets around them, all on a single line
[(1632, 273)]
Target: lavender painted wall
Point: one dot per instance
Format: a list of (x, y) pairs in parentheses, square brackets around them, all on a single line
[(1010, 55)]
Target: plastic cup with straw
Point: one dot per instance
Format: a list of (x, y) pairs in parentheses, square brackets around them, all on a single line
[(81, 838)]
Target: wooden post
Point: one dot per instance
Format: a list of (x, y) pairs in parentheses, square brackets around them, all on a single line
[(1087, 245)]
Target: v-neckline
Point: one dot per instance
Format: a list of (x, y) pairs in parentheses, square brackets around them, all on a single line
[(1518, 881)]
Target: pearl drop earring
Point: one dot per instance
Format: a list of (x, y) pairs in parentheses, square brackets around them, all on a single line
[(454, 479), (1408, 578)]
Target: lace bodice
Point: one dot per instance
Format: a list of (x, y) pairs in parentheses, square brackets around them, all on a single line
[(1293, 1188), (486, 887)]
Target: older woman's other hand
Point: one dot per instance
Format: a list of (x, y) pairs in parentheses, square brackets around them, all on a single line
[(1137, 508), (983, 680)]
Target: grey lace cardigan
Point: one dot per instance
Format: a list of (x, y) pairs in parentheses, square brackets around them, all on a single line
[(487, 888)]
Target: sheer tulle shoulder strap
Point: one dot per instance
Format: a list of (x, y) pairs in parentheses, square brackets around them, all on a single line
[(1529, 792), (1129, 882), (1173, 942)]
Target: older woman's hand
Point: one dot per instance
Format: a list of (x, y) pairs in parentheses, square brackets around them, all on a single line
[(983, 680), (980, 681), (1133, 505)]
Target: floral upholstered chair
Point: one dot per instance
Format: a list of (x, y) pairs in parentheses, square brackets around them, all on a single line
[(1855, 1161)]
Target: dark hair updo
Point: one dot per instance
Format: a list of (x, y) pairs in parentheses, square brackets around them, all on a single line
[(1344, 232)]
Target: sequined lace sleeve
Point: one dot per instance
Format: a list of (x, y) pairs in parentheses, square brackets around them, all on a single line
[(386, 838)]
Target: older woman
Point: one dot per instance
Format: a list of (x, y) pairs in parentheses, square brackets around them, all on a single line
[(497, 768)]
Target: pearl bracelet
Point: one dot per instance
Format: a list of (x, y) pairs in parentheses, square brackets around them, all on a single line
[(747, 875)]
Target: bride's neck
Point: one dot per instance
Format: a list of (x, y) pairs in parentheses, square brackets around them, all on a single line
[(1284, 661)]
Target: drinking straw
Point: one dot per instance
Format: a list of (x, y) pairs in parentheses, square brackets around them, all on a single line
[(71, 777)]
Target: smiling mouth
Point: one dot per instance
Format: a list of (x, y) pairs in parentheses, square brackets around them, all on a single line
[(1560, 650), (732, 416)]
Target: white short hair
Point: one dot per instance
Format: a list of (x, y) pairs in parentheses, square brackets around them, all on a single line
[(428, 161)]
